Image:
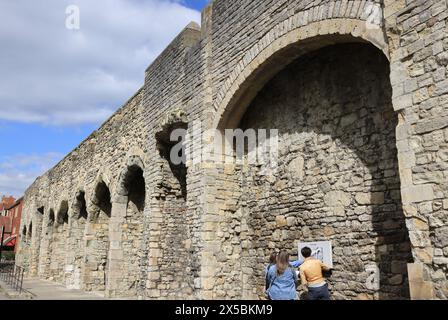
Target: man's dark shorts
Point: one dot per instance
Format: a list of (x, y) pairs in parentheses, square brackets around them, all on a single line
[(319, 293)]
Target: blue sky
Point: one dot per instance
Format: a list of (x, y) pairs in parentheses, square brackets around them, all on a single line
[(198, 5), (59, 85)]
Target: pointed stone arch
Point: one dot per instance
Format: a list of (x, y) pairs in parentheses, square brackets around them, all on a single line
[(97, 243), (170, 230), (51, 218), (277, 50), (128, 221), (101, 203), (79, 207), (29, 234), (246, 91), (62, 214), (60, 241), (76, 251), (131, 183), (46, 247), (165, 146), (24, 234), (38, 217)]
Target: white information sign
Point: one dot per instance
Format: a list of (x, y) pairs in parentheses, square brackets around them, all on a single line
[(321, 250)]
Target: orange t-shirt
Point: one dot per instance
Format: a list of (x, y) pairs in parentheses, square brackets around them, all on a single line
[(311, 272)]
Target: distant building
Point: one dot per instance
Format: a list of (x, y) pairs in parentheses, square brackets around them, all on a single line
[(6, 202), (11, 213)]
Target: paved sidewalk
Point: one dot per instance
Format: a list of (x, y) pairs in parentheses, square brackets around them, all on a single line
[(46, 290), (3, 296)]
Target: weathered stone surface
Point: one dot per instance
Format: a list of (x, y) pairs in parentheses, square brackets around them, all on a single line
[(370, 198), (337, 199), (441, 236), (417, 194), (442, 58), (420, 289), (281, 221), (437, 123), (296, 168)]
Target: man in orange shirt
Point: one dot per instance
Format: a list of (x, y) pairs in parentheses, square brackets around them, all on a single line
[(312, 277)]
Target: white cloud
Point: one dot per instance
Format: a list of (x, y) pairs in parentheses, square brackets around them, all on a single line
[(19, 171), (52, 75)]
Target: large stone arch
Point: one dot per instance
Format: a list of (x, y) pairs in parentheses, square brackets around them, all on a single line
[(38, 218), (170, 263), (230, 215), (76, 246), (59, 241), (127, 229), (78, 208), (46, 246), (26, 243), (276, 50), (102, 187), (97, 243), (134, 163)]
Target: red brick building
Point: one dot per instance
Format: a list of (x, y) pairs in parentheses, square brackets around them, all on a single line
[(11, 213), (5, 203)]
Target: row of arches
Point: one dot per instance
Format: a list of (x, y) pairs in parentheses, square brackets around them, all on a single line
[(100, 239), (72, 242)]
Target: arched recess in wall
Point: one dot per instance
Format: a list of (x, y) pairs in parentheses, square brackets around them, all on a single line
[(79, 217), (62, 216), (132, 188), (336, 175), (101, 206), (24, 233), (45, 256), (172, 234), (132, 184), (50, 222), (40, 214), (253, 73), (80, 207), (30, 233), (36, 242), (60, 239), (175, 160), (97, 238)]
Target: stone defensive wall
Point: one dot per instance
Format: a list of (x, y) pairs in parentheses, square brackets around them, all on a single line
[(358, 93)]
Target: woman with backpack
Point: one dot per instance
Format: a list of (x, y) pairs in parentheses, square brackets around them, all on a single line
[(282, 279)]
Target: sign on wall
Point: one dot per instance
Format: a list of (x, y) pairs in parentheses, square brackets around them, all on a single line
[(321, 250)]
